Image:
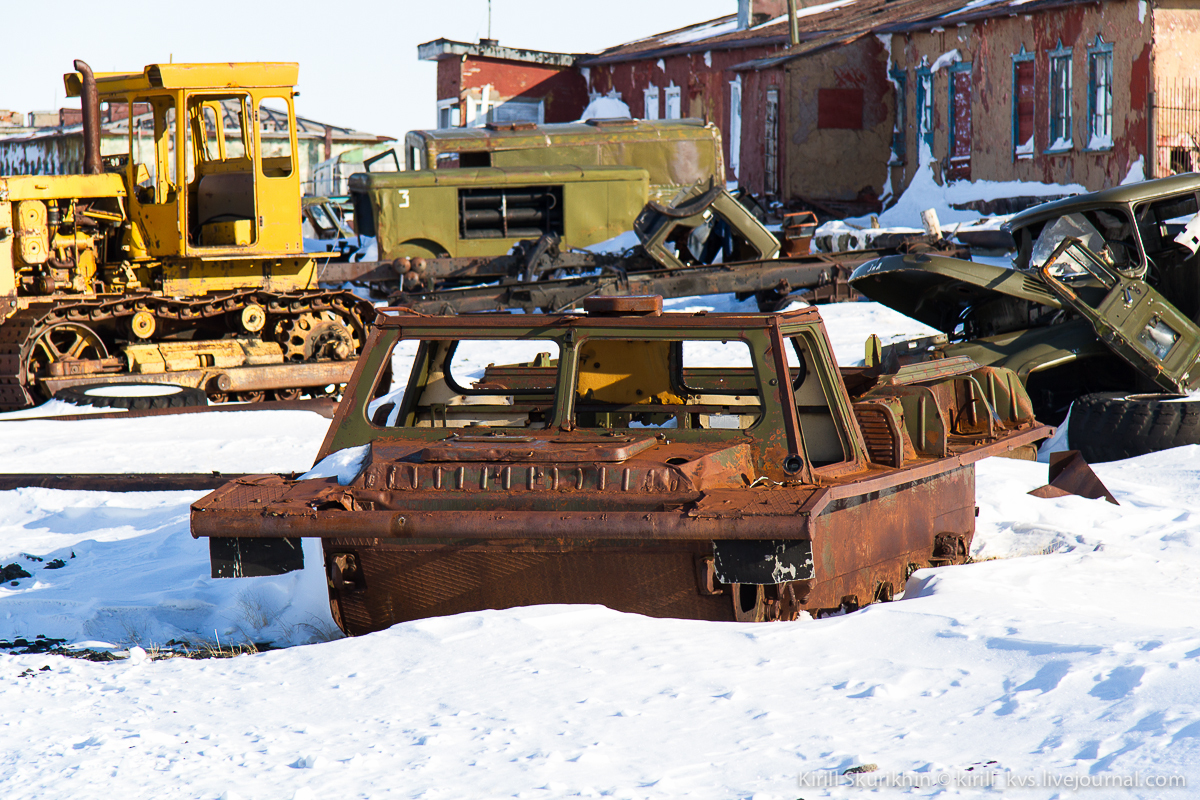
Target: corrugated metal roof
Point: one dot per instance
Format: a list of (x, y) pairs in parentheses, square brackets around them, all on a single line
[(820, 26)]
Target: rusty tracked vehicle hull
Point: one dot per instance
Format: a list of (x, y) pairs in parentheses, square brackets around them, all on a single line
[(747, 498)]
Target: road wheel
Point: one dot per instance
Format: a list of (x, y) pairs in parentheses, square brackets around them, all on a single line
[(135, 396), (1108, 426), (65, 341)]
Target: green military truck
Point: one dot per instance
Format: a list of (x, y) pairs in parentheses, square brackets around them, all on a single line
[(483, 212), (676, 153), (1098, 309)]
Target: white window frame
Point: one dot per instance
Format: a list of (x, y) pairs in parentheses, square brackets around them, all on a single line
[(650, 99), (454, 106), (735, 127), (1100, 95), (674, 108), (1062, 123)]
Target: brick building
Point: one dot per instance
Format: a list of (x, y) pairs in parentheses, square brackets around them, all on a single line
[(841, 106)]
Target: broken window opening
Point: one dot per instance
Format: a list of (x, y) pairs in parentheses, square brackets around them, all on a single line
[(823, 438), (1108, 233), (454, 384), (632, 383), (277, 159), (221, 183), (735, 125), (152, 143)]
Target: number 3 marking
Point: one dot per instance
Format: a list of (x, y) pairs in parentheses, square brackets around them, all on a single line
[(403, 199)]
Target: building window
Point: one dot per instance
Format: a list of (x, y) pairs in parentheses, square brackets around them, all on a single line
[(771, 145), (1100, 95), (449, 113), (1024, 73), (516, 111), (735, 125), (651, 99), (840, 108), (959, 120), (925, 105), (674, 104), (1060, 100), (900, 128)]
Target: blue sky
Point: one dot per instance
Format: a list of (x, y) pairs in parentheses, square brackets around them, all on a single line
[(358, 61)]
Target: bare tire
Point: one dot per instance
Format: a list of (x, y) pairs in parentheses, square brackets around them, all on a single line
[(135, 396), (1109, 426)]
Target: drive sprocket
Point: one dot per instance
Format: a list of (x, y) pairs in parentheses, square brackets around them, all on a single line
[(316, 335)]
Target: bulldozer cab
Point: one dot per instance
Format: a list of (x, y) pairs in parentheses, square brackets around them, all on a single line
[(203, 179)]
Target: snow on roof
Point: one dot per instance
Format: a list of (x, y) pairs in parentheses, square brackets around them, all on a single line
[(820, 26), (705, 30)]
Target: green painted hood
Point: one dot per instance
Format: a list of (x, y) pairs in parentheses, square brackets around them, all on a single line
[(936, 290)]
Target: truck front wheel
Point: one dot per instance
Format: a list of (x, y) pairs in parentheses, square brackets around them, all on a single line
[(1108, 426)]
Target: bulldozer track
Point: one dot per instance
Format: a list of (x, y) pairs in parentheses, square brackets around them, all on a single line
[(108, 317)]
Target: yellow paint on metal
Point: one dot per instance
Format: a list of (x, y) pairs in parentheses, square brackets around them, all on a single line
[(61, 187), (234, 75), (253, 318), (142, 324), (220, 217), (626, 372), (235, 232), (8, 276), (33, 238)]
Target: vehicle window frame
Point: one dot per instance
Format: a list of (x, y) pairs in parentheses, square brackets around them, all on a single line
[(423, 360), (676, 366)]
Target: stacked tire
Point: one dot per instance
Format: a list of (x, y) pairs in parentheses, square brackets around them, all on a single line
[(132, 396), (1109, 426)]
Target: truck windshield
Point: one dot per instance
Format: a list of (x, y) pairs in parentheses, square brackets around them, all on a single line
[(1107, 233)]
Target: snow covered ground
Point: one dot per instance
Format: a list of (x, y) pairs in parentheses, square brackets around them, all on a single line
[(1069, 655)]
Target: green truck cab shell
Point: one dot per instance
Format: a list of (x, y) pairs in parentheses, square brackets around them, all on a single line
[(676, 153), (483, 212)]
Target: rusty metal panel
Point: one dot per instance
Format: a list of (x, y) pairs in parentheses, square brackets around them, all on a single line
[(672, 521)]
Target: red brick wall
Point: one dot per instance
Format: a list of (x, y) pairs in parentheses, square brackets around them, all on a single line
[(561, 88), (704, 93)]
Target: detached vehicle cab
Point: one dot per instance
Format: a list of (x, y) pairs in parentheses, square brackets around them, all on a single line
[(1099, 304), (705, 466)]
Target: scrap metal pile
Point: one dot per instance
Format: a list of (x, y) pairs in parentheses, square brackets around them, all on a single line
[(706, 242)]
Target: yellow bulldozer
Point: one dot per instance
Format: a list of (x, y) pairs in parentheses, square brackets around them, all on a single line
[(178, 260)]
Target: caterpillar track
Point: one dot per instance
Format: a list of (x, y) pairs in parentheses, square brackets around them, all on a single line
[(291, 343)]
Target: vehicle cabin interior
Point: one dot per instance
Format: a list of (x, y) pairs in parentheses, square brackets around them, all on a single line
[(220, 181), (1110, 233), (620, 384)]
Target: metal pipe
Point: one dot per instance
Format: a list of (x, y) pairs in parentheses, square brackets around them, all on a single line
[(90, 100), (793, 23)]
